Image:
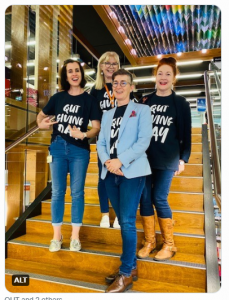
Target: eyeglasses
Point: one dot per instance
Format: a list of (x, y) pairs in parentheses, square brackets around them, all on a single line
[(122, 83), (108, 64)]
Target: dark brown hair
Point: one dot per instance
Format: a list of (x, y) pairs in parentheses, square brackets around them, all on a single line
[(170, 61), (63, 75), (122, 72)]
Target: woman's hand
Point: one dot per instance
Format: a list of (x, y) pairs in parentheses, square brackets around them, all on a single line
[(180, 169), (45, 123), (113, 166), (76, 133)]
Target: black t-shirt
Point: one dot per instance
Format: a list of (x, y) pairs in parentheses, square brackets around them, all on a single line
[(115, 126), (103, 97), (164, 151), (73, 110)]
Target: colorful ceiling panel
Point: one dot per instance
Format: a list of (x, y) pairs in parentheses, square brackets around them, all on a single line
[(169, 29)]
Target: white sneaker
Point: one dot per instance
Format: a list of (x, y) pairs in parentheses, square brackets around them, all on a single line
[(55, 245), (116, 223), (105, 222), (75, 245)]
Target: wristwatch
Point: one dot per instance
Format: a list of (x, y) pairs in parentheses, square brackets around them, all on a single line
[(181, 162), (84, 135)]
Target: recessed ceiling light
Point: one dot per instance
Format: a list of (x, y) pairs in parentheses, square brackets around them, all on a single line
[(179, 53), (204, 50), (128, 42), (159, 56)]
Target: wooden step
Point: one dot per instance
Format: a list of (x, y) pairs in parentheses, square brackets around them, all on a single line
[(179, 183), (72, 276), (196, 138), (177, 200), (196, 130), (116, 249), (185, 243), (185, 222), (190, 169), (189, 274), (196, 147)]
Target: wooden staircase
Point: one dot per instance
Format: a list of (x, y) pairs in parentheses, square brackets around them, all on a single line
[(84, 271)]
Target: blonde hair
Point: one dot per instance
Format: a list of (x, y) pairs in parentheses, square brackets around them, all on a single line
[(99, 82)]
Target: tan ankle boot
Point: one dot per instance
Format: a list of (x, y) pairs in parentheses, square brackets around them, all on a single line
[(168, 249), (150, 241)]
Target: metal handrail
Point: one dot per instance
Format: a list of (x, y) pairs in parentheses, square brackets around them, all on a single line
[(215, 155), (212, 271), (25, 136)]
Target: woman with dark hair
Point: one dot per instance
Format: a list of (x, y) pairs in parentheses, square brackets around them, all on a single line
[(69, 149), (168, 152)]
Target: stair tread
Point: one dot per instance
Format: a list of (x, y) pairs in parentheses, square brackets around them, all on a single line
[(104, 248), (142, 285)]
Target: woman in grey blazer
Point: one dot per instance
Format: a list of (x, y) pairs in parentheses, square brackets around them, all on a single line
[(124, 137)]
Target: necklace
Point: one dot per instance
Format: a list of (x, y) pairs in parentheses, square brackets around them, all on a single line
[(110, 97)]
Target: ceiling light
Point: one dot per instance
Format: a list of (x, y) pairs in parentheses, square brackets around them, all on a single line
[(121, 29), (188, 92), (144, 79), (45, 68), (179, 53), (189, 75), (204, 50), (128, 42), (159, 56), (90, 83), (113, 15), (89, 71), (57, 60), (82, 64), (31, 43), (182, 63)]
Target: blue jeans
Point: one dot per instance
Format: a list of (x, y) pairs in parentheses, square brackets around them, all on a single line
[(124, 195), (67, 158), (155, 193), (103, 198)]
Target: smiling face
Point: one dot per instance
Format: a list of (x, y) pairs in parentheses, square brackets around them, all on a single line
[(164, 79), (108, 67), (122, 93), (74, 75)]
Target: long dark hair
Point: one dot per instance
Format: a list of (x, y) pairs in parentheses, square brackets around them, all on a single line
[(63, 75)]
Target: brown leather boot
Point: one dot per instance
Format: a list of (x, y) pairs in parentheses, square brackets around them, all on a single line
[(110, 278), (120, 285), (168, 249), (150, 240)]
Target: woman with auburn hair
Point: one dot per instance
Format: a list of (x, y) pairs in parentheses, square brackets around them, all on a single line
[(168, 152), (102, 91)]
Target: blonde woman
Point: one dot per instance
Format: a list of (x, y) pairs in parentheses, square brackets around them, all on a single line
[(102, 91)]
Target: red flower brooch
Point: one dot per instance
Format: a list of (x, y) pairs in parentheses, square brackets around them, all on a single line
[(133, 114)]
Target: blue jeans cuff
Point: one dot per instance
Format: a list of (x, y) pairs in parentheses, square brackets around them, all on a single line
[(77, 224), (57, 224), (125, 274)]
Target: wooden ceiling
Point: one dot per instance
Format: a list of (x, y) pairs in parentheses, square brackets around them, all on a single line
[(145, 31)]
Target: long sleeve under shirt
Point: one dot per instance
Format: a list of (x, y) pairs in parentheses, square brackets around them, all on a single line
[(73, 110), (163, 152)]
